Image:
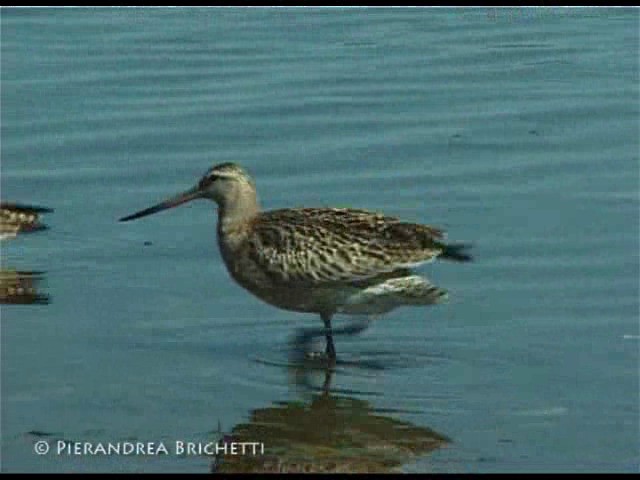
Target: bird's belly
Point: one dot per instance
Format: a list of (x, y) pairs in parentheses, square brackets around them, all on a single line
[(296, 299), (349, 299), (292, 297)]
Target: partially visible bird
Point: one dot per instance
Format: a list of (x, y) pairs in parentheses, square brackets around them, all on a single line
[(19, 218), (318, 260)]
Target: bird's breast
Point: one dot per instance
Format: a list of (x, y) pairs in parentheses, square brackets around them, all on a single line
[(242, 264)]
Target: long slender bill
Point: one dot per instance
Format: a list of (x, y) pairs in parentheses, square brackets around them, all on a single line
[(170, 203)]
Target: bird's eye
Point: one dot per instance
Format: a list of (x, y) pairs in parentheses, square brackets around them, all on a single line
[(208, 180)]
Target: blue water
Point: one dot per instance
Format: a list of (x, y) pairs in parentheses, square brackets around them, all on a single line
[(516, 130)]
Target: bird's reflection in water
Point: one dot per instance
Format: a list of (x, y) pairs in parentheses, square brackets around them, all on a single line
[(329, 433), (21, 288)]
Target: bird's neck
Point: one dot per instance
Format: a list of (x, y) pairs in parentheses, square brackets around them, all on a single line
[(235, 216)]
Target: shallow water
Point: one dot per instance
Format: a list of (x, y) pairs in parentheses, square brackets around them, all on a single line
[(516, 130)]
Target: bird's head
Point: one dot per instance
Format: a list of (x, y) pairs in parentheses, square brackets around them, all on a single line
[(227, 184)]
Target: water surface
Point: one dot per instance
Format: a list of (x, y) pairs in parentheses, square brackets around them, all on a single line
[(516, 130)]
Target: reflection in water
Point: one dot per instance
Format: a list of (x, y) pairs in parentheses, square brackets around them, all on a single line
[(16, 218), (329, 434), (21, 288)]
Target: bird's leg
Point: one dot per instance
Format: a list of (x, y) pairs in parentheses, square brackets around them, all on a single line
[(331, 350), (303, 340), (302, 344)]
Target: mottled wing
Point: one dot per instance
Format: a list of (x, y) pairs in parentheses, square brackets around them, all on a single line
[(329, 245)]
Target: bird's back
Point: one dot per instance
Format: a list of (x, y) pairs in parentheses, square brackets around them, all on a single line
[(329, 245)]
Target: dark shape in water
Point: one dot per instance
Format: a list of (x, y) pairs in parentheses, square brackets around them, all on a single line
[(17, 218), (21, 288), (332, 434)]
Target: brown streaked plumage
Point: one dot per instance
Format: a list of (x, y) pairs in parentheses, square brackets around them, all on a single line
[(17, 218), (318, 260)]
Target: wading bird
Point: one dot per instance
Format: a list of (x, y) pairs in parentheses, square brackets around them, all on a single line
[(318, 260)]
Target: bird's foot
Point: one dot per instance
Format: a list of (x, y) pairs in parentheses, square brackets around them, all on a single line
[(303, 354)]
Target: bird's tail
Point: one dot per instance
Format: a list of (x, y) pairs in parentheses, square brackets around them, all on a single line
[(417, 290), (456, 252), (394, 292)]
